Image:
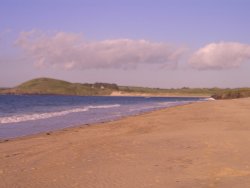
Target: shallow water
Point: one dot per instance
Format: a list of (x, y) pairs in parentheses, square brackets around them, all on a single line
[(22, 115)]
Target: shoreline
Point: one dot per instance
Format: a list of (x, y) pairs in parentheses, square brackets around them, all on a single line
[(81, 126), (134, 94), (114, 94), (196, 145)]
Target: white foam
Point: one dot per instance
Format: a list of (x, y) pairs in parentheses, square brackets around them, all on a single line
[(105, 106), (210, 99), (37, 116)]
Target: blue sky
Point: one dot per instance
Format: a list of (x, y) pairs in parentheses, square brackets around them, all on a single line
[(158, 43)]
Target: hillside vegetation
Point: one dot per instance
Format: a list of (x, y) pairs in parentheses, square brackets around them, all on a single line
[(232, 93), (181, 91), (60, 87), (216, 93)]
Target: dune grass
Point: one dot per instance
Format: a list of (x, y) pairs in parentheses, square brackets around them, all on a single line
[(181, 91)]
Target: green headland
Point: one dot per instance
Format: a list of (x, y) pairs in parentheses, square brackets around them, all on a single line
[(46, 86)]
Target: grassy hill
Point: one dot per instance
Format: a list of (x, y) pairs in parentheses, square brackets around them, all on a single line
[(60, 87)]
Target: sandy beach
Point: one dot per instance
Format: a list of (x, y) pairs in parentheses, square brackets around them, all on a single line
[(201, 145)]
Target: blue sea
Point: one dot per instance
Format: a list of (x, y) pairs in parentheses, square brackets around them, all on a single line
[(22, 115)]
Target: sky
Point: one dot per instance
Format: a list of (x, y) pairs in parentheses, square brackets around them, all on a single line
[(151, 43)]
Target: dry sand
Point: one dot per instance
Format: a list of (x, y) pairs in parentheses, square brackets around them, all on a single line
[(199, 145)]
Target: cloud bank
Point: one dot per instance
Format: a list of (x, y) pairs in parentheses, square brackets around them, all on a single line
[(72, 51), (223, 55)]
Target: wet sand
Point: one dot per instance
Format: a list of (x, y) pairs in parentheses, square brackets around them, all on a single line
[(199, 145)]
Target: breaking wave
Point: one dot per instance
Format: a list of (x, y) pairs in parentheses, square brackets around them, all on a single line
[(37, 116)]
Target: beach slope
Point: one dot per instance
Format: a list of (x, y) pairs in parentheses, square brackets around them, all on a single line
[(201, 145)]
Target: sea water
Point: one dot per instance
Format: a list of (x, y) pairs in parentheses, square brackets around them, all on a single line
[(22, 115)]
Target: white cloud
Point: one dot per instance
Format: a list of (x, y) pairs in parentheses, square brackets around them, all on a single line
[(223, 55), (71, 51)]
